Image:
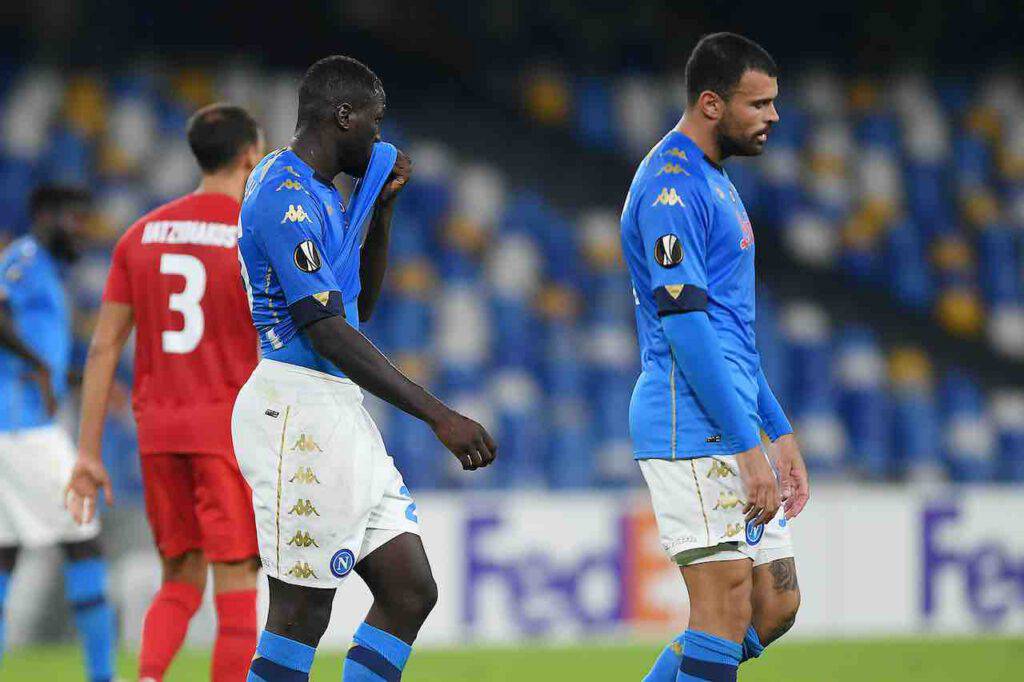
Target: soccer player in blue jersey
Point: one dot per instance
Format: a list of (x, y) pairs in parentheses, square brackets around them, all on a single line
[(702, 399), (36, 455), (327, 498)]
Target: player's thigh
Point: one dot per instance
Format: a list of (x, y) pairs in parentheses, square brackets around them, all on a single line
[(224, 509), (37, 466), (169, 492)]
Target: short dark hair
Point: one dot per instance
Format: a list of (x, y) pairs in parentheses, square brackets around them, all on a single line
[(333, 81), (55, 198), (718, 62), (218, 133)]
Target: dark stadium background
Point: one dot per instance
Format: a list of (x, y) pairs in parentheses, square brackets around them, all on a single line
[(891, 263)]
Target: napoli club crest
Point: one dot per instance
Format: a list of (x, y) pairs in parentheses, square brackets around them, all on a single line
[(342, 563)]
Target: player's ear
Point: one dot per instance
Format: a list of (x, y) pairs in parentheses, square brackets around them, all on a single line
[(711, 105), (343, 115)]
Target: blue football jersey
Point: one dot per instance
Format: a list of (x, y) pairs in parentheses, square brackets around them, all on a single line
[(299, 250), (687, 239), (33, 295)]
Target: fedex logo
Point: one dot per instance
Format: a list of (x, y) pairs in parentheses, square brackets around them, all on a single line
[(989, 574), (559, 581)]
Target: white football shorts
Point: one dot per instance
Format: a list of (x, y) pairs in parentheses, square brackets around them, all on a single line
[(698, 505), (324, 490), (35, 466)]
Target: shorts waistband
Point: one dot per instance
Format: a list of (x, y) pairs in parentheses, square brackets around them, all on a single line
[(278, 366)]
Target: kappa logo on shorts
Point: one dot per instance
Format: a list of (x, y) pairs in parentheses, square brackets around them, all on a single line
[(305, 443), (754, 533), (727, 500), (303, 539), (302, 570), (305, 475), (733, 529), (720, 469), (304, 508), (342, 563)]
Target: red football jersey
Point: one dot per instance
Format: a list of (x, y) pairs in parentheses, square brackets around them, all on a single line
[(195, 344)]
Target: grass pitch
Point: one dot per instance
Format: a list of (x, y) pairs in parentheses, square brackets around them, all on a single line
[(898, 660)]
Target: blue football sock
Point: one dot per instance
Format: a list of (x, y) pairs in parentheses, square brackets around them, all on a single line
[(85, 584), (4, 578), (752, 646), (375, 656), (707, 658), (667, 665), (279, 659)]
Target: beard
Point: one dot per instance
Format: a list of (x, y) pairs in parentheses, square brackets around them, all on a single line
[(733, 144)]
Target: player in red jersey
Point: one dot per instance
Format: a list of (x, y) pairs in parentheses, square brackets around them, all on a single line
[(175, 278)]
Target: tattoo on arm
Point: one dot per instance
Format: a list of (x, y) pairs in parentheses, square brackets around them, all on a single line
[(784, 575)]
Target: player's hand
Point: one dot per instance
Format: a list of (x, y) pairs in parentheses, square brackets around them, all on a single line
[(760, 485), (41, 376), (467, 440), (87, 478), (789, 461), (400, 174)]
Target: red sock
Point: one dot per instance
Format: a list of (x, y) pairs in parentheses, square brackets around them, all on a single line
[(236, 635), (165, 626)]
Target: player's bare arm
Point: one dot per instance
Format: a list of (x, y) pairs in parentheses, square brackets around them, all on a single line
[(792, 474), (359, 359), (374, 257), (39, 372), (89, 475)]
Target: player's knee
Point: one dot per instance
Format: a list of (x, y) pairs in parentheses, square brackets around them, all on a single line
[(413, 601), (302, 615), (80, 551), (189, 568)]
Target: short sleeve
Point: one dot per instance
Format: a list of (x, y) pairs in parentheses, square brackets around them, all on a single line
[(291, 234), (674, 223), (119, 286)]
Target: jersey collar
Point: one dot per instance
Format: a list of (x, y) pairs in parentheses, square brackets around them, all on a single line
[(693, 151)]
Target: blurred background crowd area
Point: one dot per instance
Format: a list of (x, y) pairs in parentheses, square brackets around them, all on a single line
[(888, 209)]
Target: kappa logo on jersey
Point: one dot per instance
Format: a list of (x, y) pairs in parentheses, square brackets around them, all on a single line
[(289, 184), (669, 197), (306, 257), (305, 475), (302, 539), (672, 169), (304, 508), (305, 443), (289, 169), (677, 152), (668, 252), (303, 570), (342, 563), (754, 532), (295, 214)]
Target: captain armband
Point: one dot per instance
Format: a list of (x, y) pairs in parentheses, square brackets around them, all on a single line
[(316, 307), (673, 299)]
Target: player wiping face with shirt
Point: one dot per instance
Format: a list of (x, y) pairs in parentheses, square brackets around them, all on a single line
[(328, 499)]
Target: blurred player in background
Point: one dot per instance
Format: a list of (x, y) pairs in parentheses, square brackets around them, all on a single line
[(702, 399), (36, 454), (328, 499), (175, 279)]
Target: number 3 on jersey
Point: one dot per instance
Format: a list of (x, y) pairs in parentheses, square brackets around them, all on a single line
[(186, 302)]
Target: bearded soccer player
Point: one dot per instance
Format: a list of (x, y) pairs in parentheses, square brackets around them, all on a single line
[(175, 279), (36, 454), (328, 498), (702, 399)]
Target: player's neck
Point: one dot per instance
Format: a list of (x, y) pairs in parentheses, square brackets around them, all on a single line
[(321, 157), (231, 183), (703, 136)]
